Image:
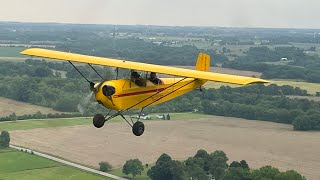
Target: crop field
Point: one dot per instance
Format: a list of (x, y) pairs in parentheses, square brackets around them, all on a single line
[(9, 106), (260, 143), (25, 166)]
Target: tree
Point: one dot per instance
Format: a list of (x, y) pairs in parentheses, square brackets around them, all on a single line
[(167, 169), (133, 166), (289, 175), (218, 164), (302, 123), (4, 139), (236, 174), (196, 172), (265, 172), (105, 166), (242, 164), (202, 159)]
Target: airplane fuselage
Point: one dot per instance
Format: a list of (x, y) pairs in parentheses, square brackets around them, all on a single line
[(128, 95)]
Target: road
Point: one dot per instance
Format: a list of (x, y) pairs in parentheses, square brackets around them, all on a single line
[(69, 163)]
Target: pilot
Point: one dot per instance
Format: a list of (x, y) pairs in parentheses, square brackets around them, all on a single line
[(154, 79), (136, 78)]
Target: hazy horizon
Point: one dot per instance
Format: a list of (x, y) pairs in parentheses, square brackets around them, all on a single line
[(208, 13)]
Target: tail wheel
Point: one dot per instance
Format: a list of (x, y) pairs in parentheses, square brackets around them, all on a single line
[(138, 128), (98, 120)]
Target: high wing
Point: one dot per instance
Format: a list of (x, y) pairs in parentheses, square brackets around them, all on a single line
[(142, 66)]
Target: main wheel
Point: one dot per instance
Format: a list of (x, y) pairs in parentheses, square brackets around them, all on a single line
[(98, 120), (138, 128)]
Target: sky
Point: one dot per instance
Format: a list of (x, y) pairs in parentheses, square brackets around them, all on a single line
[(221, 13)]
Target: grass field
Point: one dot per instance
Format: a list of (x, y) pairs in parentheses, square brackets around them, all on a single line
[(9, 106), (16, 165), (11, 51), (59, 122), (143, 176)]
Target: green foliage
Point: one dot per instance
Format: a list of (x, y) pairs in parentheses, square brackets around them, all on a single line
[(289, 175), (265, 172), (242, 164), (195, 168), (218, 164), (236, 173), (167, 169), (133, 166), (104, 166), (4, 139), (196, 172)]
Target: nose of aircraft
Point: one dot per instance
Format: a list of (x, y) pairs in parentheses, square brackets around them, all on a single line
[(108, 90)]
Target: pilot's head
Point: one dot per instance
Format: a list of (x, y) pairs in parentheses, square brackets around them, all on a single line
[(135, 74), (153, 75)]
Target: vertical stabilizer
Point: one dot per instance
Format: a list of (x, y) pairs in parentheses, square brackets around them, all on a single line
[(203, 62)]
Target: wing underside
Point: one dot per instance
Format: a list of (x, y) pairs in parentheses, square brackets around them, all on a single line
[(44, 53)]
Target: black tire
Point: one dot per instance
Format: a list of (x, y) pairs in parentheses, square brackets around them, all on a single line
[(98, 120), (138, 128)]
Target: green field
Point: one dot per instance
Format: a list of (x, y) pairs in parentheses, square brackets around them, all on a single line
[(45, 123), (11, 51), (25, 166), (31, 124), (143, 176)]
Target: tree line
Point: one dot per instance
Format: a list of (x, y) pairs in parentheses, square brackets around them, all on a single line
[(299, 65), (203, 166)]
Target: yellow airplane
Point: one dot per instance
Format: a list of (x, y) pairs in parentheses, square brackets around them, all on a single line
[(139, 92)]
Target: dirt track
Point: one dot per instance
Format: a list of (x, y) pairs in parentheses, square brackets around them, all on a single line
[(260, 143)]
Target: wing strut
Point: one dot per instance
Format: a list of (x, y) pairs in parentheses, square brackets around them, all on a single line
[(95, 70), (80, 72)]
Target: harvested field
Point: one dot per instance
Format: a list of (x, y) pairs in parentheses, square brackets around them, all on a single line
[(260, 143), (9, 106)]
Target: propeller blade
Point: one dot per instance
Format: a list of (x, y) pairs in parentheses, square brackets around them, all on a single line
[(84, 103)]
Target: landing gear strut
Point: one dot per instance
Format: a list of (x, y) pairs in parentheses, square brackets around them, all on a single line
[(137, 127)]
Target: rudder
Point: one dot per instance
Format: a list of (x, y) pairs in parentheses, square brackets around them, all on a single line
[(203, 62)]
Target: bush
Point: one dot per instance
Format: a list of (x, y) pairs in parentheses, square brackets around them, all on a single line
[(105, 166), (4, 139)]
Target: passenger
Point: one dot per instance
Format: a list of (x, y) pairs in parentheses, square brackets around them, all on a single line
[(154, 79), (136, 78)]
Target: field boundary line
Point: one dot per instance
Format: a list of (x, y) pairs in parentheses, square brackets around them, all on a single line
[(69, 163)]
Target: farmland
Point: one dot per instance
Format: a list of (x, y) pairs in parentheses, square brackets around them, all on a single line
[(9, 106), (260, 143), (25, 166)]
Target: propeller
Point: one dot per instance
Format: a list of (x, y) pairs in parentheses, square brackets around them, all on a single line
[(107, 90), (85, 102)]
